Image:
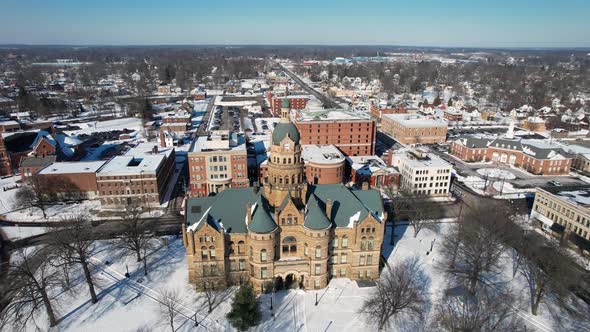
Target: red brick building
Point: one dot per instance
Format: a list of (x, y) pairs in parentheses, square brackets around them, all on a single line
[(373, 171), (352, 135), (217, 162), (77, 179), (296, 102), (537, 157), (377, 112), (141, 180)]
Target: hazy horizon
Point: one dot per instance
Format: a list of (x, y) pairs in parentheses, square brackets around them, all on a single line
[(500, 24)]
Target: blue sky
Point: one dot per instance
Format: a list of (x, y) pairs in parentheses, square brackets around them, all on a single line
[(469, 23)]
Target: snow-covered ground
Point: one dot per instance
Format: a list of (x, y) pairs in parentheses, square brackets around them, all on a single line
[(18, 232), (7, 197), (496, 173), (55, 212), (131, 304)]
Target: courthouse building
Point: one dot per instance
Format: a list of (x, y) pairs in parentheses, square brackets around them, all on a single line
[(286, 233)]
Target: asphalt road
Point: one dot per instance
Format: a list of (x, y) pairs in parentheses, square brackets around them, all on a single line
[(328, 102)]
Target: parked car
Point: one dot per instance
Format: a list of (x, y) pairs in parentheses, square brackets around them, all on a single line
[(554, 183)]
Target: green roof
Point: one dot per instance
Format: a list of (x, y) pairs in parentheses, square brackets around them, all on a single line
[(283, 129), (262, 222), (315, 216), (228, 209), (285, 103)]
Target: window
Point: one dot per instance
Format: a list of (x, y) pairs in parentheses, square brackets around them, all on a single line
[(334, 259), (305, 251), (343, 272), (363, 243), (318, 269), (242, 263), (362, 261), (289, 245), (204, 252), (318, 252), (205, 270), (343, 258), (335, 242), (232, 265), (212, 252), (369, 259), (251, 253), (263, 272), (370, 243), (344, 241), (263, 255)]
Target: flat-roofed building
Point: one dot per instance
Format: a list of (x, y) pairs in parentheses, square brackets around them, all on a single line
[(423, 173), (76, 179), (564, 213), (323, 164), (139, 180), (354, 134), (414, 128), (218, 161), (372, 171)]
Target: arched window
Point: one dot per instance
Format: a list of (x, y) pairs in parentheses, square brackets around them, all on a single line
[(363, 243), (263, 255), (318, 252), (293, 179), (212, 252), (284, 160), (231, 247), (289, 244), (370, 243), (241, 247), (287, 179), (289, 160), (305, 251), (280, 179), (204, 252)]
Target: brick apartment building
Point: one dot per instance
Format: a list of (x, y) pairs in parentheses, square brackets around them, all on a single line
[(140, 180), (414, 128), (353, 135), (296, 102), (537, 157), (378, 112), (217, 162)]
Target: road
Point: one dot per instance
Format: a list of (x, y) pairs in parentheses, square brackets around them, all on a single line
[(327, 101)]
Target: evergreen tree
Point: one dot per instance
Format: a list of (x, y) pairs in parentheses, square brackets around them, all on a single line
[(244, 312), (450, 103), (436, 101)]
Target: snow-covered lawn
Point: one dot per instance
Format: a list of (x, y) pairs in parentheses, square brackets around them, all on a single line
[(7, 197), (19, 232), (131, 304), (496, 173), (55, 212)]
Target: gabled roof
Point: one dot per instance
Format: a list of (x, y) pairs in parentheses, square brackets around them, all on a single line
[(315, 216)]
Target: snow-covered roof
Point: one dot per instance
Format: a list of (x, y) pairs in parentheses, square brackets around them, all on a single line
[(321, 154), (415, 120), (73, 167), (131, 165)]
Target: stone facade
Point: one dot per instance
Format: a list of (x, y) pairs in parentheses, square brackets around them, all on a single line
[(287, 233)]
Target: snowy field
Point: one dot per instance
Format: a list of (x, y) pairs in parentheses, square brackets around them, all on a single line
[(7, 197), (16, 232), (132, 304)]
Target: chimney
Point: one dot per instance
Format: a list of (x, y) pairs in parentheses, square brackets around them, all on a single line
[(329, 209), (155, 149), (248, 213), (365, 186)]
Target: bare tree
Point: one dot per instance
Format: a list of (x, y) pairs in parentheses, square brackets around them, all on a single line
[(547, 270), (73, 242), (472, 250), (26, 289), (170, 301), (34, 193), (402, 290), (486, 311), (420, 213), (137, 233)]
